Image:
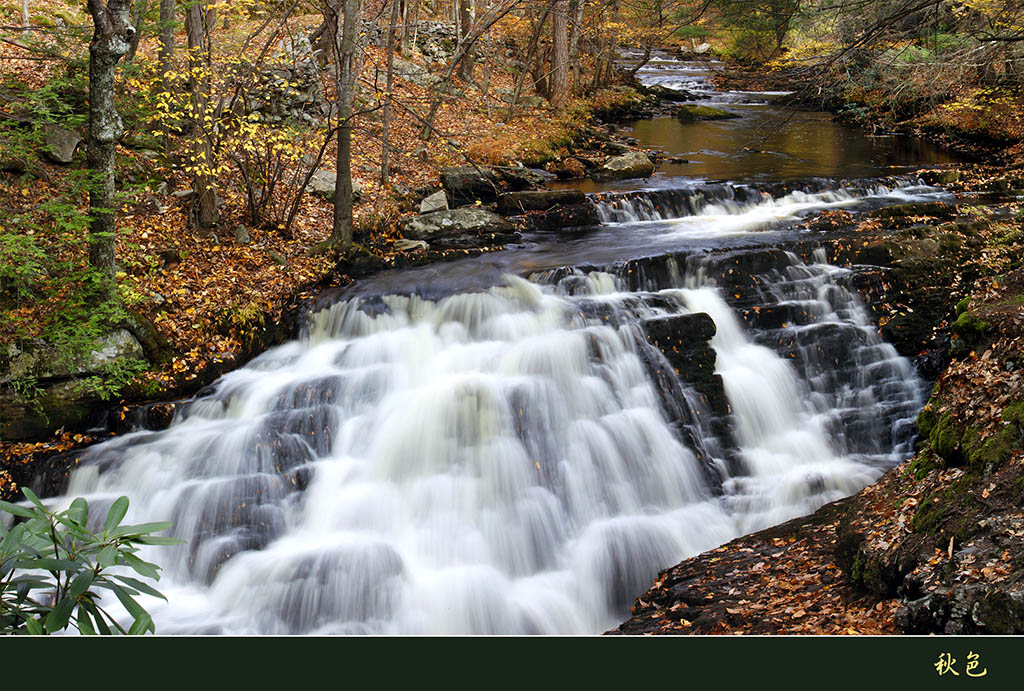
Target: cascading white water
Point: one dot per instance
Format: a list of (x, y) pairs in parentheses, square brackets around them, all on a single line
[(725, 209), (493, 462)]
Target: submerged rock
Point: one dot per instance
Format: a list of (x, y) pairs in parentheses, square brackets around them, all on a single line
[(694, 113)]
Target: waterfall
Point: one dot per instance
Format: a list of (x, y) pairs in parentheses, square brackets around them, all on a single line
[(501, 460)]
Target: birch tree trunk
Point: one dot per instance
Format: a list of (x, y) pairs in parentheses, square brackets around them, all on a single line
[(111, 40), (396, 7), (576, 9)]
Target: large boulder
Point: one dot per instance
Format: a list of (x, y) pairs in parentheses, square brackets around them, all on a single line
[(469, 184), (323, 183), (571, 217), (635, 164), (667, 94), (59, 391), (59, 144), (466, 227), (41, 361)]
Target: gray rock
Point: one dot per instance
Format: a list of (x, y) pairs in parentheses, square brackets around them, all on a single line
[(468, 184), (466, 221), (404, 245), (42, 361), (117, 345), (182, 194), (522, 178), (59, 144), (416, 74), (632, 165), (438, 201), (323, 182), (242, 234)]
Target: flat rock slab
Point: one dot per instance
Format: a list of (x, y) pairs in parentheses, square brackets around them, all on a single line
[(516, 203), (455, 222)]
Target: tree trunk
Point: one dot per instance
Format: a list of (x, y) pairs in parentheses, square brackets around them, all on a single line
[(403, 45), (166, 37), (204, 182), (576, 8), (111, 40), (396, 7), (345, 47), (465, 27), (25, 20), (560, 54), (141, 7)]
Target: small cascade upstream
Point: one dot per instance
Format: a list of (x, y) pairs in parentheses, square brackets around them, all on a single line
[(753, 206), (496, 461)]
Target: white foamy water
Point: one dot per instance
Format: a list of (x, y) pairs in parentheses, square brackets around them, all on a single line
[(716, 210), (493, 462)]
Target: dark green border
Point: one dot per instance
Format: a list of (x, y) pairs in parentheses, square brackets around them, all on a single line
[(638, 663)]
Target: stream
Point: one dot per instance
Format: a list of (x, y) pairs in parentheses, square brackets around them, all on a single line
[(517, 443)]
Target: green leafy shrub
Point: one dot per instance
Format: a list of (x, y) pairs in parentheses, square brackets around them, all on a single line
[(53, 568)]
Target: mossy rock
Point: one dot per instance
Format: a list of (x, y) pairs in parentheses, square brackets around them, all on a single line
[(961, 307), (969, 327), (940, 177), (693, 113), (959, 444), (1006, 184), (952, 511), (944, 438)]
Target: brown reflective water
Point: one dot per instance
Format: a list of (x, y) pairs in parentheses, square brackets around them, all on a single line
[(768, 142)]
